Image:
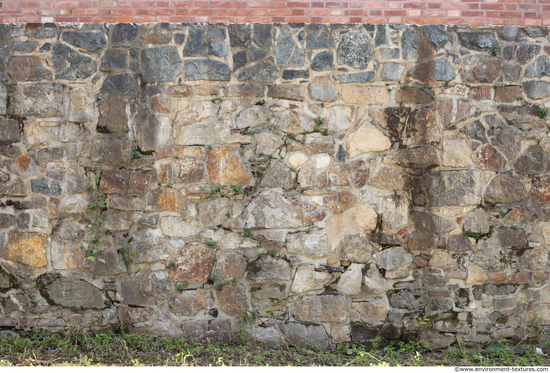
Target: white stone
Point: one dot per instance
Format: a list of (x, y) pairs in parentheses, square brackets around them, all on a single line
[(366, 138), (307, 279), (297, 159), (350, 281), (322, 161), (456, 152)]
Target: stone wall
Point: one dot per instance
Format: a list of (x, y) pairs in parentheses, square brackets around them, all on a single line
[(309, 184)]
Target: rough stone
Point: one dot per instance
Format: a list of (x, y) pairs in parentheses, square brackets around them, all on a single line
[(320, 308), (194, 264), (90, 41), (263, 72), (206, 70), (162, 64), (71, 65), (355, 50)]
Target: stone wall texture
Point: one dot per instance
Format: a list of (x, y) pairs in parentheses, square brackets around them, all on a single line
[(455, 12), (308, 184)]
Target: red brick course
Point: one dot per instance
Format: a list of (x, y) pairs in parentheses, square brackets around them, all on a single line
[(471, 12)]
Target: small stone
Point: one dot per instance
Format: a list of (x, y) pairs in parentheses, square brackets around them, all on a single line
[(394, 257), (239, 35), (124, 33), (226, 166), (362, 77), (256, 54), (122, 84), (286, 91), (475, 275), (444, 71), (355, 50), (218, 48), (295, 74)]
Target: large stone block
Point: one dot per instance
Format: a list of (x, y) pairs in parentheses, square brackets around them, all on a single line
[(27, 248)]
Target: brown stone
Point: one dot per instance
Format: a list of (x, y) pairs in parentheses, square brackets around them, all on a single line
[(453, 111), (371, 313), (316, 143), (480, 93), (23, 166), (409, 127), (190, 302), (112, 116), (504, 189), (491, 159), (34, 135), (518, 216), (233, 300), (320, 308), (421, 157), (508, 94), (170, 199), (359, 172), (334, 175), (230, 265), (137, 291), (522, 276), (131, 315), (295, 122), (481, 69), (225, 166), (125, 182), (415, 96), (183, 171), (156, 39), (541, 189), (180, 91), (194, 264), (366, 95), (390, 178), (27, 248), (475, 275), (286, 91), (27, 68), (163, 104), (340, 202)]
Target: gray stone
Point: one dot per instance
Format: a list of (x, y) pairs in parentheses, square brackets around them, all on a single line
[(392, 71), (392, 258), (46, 33), (535, 31), (381, 35), (206, 70), (479, 41), (15, 302), (508, 52), (239, 60), (43, 100), (532, 161), (326, 308), (71, 65), (218, 48), (390, 54), (355, 50), (262, 72), (195, 43), (91, 41), (508, 33), (23, 46), (409, 44), (124, 33), (323, 41), (179, 39), (526, 52), (239, 35), (536, 89), (312, 245), (10, 131), (444, 71), (507, 139), (71, 292), (46, 186), (539, 68), (362, 77), (122, 84), (481, 69), (6, 220), (322, 89), (437, 35), (300, 335), (216, 33), (256, 54), (286, 91), (114, 59), (323, 61), (287, 53), (263, 34), (295, 74), (505, 189), (453, 188), (405, 299), (475, 131), (269, 268), (278, 176), (161, 64), (511, 71)]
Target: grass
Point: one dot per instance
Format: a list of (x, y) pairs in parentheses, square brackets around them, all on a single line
[(111, 349)]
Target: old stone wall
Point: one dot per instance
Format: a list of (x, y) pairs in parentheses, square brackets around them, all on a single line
[(307, 184)]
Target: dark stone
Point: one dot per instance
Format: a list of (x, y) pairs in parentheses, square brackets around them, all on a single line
[(27, 46), (91, 41), (124, 33), (479, 41), (239, 35), (409, 44), (340, 154), (453, 188), (10, 132), (134, 66), (207, 70), (527, 51), (217, 48), (504, 189), (71, 65), (113, 117), (261, 72), (263, 34), (25, 68), (507, 138), (437, 35), (536, 89), (195, 43), (45, 48), (161, 64), (216, 33), (381, 35), (508, 33), (355, 50), (532, 161), (389, 54), (362, 77), (444, 71), (323, 61), (239, 60), (256, 54), (475, 131), (535, 31), (296, 74), (323, 41), (405, 299), (122, 84), (539, 68), (6, 220), (46, 186), (508, 52), (179, 39), (287, 52), (151, 221), (511, 238), (482, 69), (114, 59)]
